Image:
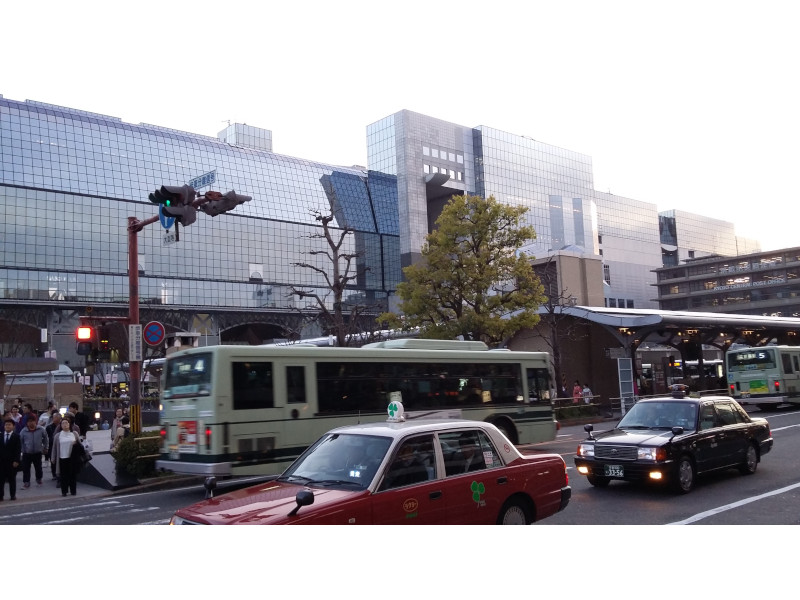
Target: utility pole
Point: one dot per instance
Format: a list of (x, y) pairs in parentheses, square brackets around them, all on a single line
[(135, 366)]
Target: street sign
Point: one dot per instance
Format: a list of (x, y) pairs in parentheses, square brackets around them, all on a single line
[(169, 238), (203, 180), (135, 352), (154, 333), (166, 220)]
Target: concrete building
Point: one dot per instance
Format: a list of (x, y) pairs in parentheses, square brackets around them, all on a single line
[(760, 283)]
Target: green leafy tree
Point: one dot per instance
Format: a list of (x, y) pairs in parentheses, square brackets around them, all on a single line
[(471, 281)]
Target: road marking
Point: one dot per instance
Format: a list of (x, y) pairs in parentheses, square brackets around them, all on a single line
[(720, 509), (782, 428)]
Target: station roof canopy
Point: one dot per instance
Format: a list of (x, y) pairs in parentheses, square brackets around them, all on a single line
[(673, 327)]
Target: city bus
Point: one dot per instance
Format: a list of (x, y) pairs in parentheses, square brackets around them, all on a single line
[(765, 376), (244, 410)]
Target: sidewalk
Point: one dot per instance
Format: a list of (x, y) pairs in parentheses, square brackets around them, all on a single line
[(101, 441)]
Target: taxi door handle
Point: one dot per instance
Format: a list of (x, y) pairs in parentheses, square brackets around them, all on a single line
[(502, 480), (435, 495)]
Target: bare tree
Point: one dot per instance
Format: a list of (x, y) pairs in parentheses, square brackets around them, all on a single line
[(340, 318)]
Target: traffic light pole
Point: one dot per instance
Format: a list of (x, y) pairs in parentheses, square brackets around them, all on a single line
[(135, 366)]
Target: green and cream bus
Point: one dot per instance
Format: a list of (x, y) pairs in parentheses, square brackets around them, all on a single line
[(765, 376), (242, 410)]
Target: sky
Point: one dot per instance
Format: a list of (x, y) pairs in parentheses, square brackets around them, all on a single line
[(687, 105)]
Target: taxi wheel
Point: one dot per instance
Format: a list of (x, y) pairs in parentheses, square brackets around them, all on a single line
[(750, 461), (685, 475), (597, 481), (514, 512)]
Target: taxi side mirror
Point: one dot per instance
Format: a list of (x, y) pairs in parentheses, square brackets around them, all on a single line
[(303, 498)]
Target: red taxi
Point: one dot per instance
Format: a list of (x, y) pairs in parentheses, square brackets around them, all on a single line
[(409, 472)]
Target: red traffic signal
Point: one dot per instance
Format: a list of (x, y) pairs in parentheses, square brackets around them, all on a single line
[(85, 340)]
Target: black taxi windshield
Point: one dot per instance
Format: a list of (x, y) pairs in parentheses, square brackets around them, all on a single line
[(188, 375), (660, 415)]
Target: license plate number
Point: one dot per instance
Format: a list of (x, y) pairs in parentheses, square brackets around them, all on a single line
[(614, 471), (173, 453)]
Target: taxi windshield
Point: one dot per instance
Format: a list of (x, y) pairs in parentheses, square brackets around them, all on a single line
[(660, 415), (339, 460)]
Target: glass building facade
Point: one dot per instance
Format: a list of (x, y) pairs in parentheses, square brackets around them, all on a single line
[(69, 180)]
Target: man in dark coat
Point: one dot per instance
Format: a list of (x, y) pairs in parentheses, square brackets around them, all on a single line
[(81, 420), (10, 452)]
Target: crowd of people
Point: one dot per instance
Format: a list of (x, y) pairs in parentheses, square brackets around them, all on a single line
[(31, 440)]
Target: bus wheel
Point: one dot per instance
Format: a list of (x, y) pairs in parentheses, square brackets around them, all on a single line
[(750, 461)]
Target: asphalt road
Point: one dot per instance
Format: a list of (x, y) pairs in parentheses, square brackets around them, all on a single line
[(769, 497)]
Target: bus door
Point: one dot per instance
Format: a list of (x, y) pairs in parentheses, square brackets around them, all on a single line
[(252, 429)]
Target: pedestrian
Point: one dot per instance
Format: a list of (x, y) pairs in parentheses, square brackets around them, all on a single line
[(27, 410), (123, 431), (116, 424), (47, 415), (34, 445), (15, 415), (9, 459), (66, 464), (577, 392), (587, 394), (52, 429), (81, 420)]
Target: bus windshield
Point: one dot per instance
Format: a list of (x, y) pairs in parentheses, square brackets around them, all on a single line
[(188, 376)]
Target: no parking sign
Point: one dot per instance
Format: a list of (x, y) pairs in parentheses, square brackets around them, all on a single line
[(154, 333)]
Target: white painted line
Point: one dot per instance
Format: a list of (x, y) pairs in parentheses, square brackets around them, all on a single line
[(720, 509)]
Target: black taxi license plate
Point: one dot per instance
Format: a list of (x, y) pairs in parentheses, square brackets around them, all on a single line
[(614, 471)]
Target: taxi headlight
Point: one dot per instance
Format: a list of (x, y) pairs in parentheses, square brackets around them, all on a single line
[(586, 450), (646, 453)]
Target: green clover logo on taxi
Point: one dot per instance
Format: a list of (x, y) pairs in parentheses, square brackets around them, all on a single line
[(477, 490), (393, 409)]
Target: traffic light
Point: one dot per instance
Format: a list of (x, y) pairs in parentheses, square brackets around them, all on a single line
[(102, 338), (84, 336), (220, 203), (176, 201)]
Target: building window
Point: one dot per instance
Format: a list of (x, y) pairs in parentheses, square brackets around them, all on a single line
[(607, 274), (629, 303), (691, 253), (426, 151), (674, 289), (612, 303), (426, 168)]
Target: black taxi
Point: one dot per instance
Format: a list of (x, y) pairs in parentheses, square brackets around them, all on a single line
[(674, 439)]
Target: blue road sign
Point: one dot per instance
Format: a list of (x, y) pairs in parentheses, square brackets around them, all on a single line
[(204, 180), (154, 333), (166, 220)]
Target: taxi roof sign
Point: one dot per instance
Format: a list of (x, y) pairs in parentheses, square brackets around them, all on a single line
[(395, 410)]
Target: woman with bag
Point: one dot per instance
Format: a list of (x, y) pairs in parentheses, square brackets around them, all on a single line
[(66, 457)]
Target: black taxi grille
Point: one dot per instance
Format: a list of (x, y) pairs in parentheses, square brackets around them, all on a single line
[(615, 452)]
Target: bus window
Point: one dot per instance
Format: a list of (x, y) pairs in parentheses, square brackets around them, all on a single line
[(188, 376), (787, 363), (538, 385), (296, 385), (252, 385)]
